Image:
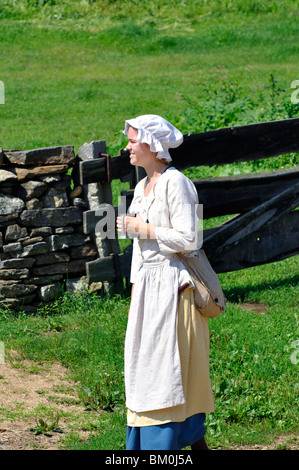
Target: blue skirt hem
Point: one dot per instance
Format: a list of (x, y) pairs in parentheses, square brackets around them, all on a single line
[(169, 436)]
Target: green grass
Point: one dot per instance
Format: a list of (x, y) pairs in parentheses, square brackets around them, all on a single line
[(255, 378), (77, 78), (73, 72), (85, 329)]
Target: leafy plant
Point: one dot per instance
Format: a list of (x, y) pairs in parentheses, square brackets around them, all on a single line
[(46, 428), (103, 395)]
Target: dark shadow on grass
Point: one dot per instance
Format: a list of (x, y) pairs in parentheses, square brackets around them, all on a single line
[(240, 293)]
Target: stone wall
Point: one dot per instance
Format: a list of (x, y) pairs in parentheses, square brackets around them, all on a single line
[(42, 244)]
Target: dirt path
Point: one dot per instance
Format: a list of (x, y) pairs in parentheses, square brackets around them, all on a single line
[(30, 392)]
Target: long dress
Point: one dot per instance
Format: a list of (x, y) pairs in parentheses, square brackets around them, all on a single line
[(167, 340)]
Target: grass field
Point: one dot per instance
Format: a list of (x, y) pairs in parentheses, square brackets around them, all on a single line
[(76, 78), (73, 72)]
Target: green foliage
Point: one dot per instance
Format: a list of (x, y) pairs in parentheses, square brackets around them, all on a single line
[(226, 103), (73, 9), (46, 427)]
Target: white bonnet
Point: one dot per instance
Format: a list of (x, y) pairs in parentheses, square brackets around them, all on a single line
[(158, 133)]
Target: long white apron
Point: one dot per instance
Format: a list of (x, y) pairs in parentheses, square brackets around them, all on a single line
[(153, 376)]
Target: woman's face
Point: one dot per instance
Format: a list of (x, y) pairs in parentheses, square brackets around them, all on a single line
[(140, 154)]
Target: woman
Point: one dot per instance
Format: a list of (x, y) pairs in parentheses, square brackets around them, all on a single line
[(167, 379)]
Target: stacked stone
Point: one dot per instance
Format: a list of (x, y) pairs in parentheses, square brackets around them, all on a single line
[(42, 244)]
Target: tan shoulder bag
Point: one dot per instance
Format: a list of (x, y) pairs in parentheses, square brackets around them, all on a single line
[(208, 294)]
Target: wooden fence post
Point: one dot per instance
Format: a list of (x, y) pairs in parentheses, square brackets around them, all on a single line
[(98, 193), (140, 173)]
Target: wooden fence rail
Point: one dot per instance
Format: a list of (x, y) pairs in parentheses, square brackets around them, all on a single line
[(265, 226), (228, 145)]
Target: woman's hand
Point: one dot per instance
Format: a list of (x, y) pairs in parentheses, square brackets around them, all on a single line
[(136, 226)]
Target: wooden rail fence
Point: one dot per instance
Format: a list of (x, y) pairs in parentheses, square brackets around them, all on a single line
[(265, 225)]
